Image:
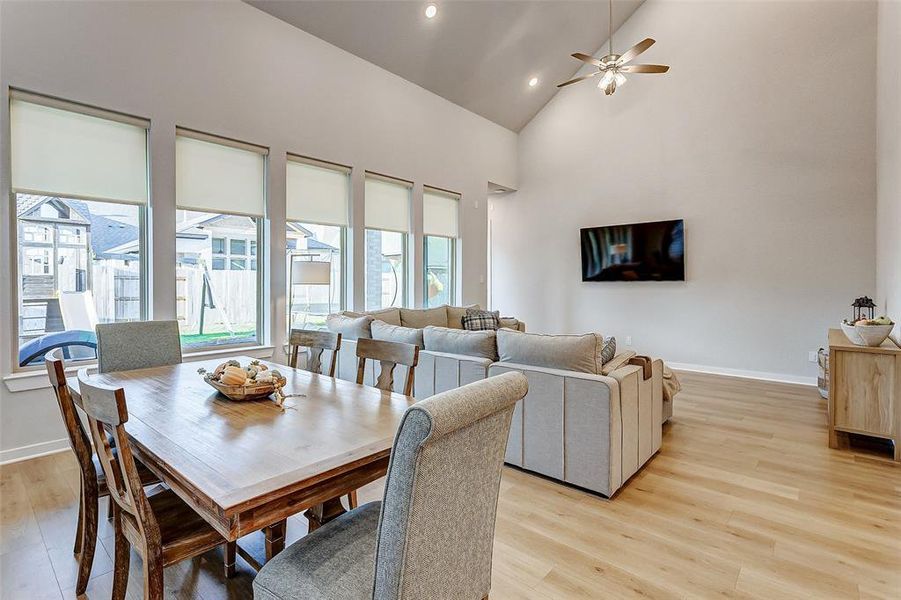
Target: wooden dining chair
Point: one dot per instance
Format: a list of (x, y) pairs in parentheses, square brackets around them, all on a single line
[(389, 355), (93, 481), (315, 343), (161, 527)]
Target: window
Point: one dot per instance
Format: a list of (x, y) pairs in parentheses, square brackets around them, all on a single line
[(79, 176), (317, 200), (440, 215), (221, 199), (387, 227)]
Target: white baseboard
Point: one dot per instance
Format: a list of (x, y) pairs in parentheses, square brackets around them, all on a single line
[(33, 451), (761, 375)]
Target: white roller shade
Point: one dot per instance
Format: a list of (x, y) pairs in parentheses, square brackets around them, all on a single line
[(219, 178), (317, 194), (440, 213), (387, 204), (61, 152)]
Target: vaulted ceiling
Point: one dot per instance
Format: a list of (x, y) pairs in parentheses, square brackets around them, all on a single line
[(479, 54)]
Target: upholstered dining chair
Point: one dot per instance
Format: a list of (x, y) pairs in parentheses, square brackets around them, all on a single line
[(432, 535), (389, 355), (93, 481), (137, 345), (161, 527), (315, 343)]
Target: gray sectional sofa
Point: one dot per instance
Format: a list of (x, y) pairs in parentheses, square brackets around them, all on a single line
[(585, 423)]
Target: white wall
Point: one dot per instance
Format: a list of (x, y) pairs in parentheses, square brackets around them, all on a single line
[(227, 68), (888, 137), (761, 136)]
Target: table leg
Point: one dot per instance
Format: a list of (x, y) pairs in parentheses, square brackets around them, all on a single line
[(319, 515), (275, 538)]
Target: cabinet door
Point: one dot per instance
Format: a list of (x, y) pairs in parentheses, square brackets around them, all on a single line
[(864, 385)]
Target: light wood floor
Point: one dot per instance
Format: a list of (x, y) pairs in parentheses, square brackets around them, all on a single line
[(745, 500)]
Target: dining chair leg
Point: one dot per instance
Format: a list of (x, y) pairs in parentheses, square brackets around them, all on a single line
[(79, 528), (153, 577), (109, 509), (352, 499), (121, 559), (88, 534), (231, 552)]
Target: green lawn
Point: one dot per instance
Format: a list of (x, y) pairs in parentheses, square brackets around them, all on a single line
[(215, 339)]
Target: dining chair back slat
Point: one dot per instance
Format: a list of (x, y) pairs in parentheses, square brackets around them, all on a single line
[(315, 343), (389, 355)]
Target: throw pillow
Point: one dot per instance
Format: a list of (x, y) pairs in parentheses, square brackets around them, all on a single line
[(421, 317), (396, 333), (455, 315), (481, 320), (350, 328), (609, 349)]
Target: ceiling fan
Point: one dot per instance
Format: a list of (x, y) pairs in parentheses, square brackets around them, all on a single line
[(613, 66)]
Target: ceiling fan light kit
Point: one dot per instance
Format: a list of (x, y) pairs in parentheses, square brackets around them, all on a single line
[(613, 66)]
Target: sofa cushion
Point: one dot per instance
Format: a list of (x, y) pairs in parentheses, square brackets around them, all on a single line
[(456, 341), (388, 315), (423, 317), (395, 333), (480, 320), (350, 328), (580, 353), (455, 315), (508, 323)]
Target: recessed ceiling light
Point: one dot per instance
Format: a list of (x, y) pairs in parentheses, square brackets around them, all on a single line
[(533, 82), (430, 11)]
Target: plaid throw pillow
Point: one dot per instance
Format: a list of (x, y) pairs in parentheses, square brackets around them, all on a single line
[(481, 320), (609, 349)]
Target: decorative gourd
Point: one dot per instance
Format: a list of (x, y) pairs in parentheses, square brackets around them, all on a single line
[(233, 376)]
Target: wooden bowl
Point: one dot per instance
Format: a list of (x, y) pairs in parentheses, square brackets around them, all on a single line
[(240, 393)]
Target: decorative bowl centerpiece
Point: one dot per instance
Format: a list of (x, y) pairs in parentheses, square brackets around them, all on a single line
[(868, 332), (253, 382)]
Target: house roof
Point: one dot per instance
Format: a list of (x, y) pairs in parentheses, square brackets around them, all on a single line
[(106, 233)]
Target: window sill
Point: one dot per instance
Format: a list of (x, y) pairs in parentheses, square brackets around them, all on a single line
[(36, 379)]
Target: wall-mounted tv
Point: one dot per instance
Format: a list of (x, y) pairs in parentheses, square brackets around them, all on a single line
[(636, 252)]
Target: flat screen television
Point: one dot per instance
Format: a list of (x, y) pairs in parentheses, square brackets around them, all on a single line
[(635, 252)]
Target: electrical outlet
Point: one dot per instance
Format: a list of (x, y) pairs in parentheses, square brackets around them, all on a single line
[(812, 356), (628, 340)]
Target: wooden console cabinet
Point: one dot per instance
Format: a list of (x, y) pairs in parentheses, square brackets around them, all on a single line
[(864, 391)]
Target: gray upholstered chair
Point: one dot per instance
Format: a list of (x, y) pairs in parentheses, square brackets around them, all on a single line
[(137, 345), (432, 535)]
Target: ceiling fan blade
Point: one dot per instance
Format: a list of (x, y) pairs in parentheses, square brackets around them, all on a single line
[(635, 51), (644, 68), (577, 79), (589, 59)]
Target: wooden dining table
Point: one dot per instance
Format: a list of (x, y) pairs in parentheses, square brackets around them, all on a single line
[(248, 466)]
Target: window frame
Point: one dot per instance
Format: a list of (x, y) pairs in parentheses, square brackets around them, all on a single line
[(451, 269), (405, 267), (144, 267), (342, 297)]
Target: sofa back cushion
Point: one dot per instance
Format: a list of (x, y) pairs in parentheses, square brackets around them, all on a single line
[(350, 328), (387, 315), (455, 315), (457, 341), (423, 317), (396, 333), (580, 353)]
